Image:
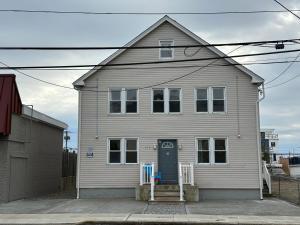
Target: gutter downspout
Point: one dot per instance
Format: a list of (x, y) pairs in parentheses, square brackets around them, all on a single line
[(78, 142), (258, 142)]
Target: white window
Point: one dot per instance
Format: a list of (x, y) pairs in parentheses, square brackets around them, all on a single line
[(123, 100), (174, 100), (158, 100), (203, 150), (210, 100), (167, 52), (123, 150), (131, 101), (218, 99), (211, 150), (115, 104), (220, 155), (166, 100), (201, 100)]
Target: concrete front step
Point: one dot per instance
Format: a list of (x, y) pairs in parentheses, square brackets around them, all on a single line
[(166, 187), (166, 199), (167, 194)]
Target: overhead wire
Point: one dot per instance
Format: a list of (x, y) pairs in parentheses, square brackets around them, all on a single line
[(286, 8), (144, 13)]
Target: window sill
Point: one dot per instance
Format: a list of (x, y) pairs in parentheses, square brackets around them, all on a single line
[(122, 114), (122, 164), (212, 165)]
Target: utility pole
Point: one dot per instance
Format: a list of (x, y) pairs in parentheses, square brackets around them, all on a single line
[(67, 138)]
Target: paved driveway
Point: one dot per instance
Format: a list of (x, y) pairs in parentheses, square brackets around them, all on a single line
[(54, 205)]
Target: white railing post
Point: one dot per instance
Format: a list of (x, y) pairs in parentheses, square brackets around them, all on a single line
[(152, 182), (180, 182), (192, 173), (267, 176), (141, 174)]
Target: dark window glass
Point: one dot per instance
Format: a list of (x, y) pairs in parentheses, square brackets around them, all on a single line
[(131, 144), (220, 156), (115, 144), (174, 94), (131, 95), (220, 144), (174, 106), (218, 106), (115, 157), (218, 93), (158, 106), (115, 95), (158, 95), (202, 103), (131, 157), (203, 156), (218, 99), (203, 144), (131, 107), (202, 106), (115, 106)]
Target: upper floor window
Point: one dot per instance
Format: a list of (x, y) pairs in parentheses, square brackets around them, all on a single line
[(218, 99), (201, 100), (158, 101), (211, 99), (166, 100), (115, 101), (167, 52), (123, 100)]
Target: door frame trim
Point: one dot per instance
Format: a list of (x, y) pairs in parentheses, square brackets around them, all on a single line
[(158, 147)]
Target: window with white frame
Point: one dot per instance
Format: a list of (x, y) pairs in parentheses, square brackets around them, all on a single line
[(203, 150), (115, 104), (131, 101), (122, 150), (210, 100), (218, 99), (114, 150), (123, 100), (131, 150), (167, 52), (211, 150), (166, 100), (174, 100), (158, 101), (220, 150), (201, 100)]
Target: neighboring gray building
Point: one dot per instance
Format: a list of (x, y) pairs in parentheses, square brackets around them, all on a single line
[(30, 155), (203, 127)]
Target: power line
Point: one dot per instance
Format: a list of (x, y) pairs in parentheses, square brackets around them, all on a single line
[(287, 9), (38, 79), (254, 62), (144, 13), (60, 48), (280, 84), (152, 62), (284, 71)]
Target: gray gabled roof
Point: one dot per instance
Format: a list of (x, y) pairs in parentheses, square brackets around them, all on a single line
[(255, 77)]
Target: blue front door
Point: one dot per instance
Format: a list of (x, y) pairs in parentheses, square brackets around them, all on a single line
[(168, 161)]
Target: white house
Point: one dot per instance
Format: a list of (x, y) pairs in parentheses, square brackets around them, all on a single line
[(196, 127)]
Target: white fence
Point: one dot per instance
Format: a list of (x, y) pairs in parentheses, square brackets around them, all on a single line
[(267, 177), (186, 176)]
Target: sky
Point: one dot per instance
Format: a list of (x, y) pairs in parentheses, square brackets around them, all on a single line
[(280, 109)]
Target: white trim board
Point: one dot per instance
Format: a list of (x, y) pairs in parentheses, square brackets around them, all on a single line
[(255, 78)]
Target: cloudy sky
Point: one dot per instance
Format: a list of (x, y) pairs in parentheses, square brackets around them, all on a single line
[(280, 109)]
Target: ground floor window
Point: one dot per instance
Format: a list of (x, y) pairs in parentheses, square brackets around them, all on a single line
[(123, 150), (211, 150)]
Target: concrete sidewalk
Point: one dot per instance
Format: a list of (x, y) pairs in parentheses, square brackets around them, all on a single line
[(55, 219)]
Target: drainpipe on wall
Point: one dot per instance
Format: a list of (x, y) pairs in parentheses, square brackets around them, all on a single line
[(78, 142), (258, 141)]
